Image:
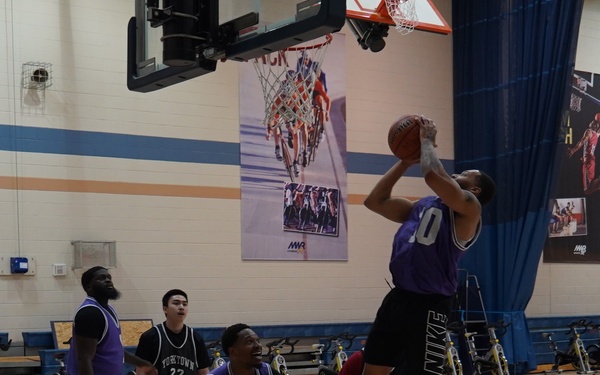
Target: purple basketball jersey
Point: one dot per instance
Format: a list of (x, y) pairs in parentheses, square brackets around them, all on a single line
[(426, 251), (109, 352)]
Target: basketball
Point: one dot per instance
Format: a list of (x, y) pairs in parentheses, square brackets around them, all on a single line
[(404, 137)]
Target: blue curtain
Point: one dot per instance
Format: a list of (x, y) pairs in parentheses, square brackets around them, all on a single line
[(512, 63)]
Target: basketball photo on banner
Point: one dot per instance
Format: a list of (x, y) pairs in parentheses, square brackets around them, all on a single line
[(310, 209), (568, 217), (573, 223), (293, 150)]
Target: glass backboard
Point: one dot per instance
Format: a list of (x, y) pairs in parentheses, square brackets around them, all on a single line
[(206, 31), (429, 18)]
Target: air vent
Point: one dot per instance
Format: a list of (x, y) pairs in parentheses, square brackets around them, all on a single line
[(59, 270)]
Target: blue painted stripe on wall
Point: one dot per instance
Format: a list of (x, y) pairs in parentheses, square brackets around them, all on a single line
[(378, 164), (113, 145), (142, 147)]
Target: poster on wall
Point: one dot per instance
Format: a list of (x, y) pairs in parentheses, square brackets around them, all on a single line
[(293, 155), (574, 228)]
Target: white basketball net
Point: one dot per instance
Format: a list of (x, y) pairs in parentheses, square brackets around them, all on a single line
[(288, 79), (404, 14)]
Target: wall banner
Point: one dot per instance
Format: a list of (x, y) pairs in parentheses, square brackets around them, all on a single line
[(287, 215), (574, 228)]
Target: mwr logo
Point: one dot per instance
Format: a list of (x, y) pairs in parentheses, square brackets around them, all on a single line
[(296, 247), (579, 250)]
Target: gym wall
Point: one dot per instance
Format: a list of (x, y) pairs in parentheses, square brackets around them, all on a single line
[(84, 164), (177, 224)]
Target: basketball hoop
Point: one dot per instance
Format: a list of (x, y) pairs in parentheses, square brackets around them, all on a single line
[(404, 15), (575, 103), (287, 89)]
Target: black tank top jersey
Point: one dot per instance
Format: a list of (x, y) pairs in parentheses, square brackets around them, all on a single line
[(181, 359)]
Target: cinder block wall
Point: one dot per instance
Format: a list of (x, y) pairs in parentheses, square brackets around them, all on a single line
[(177, 224)]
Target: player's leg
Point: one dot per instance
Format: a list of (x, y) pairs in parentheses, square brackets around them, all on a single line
[(289, 215), (322, 103), (325, 219), (417, 330), (277, 139), (305, 216), (591, 170), (298, 199), (304, 131), (427, 333), (384, 348), (318, 105), (587, 172), (314, 206), (274, 129), (323, 117), (294, 131), (593, 187), (302, 216)]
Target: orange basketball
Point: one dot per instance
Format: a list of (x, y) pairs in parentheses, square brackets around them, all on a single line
[(404, 139)]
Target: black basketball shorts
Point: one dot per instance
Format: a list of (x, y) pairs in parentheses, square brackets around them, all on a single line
[(409, 333)]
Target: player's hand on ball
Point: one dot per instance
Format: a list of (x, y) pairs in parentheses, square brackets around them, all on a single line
[(428, 130)]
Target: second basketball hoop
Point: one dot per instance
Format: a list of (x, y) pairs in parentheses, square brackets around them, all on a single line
[(404, 15)]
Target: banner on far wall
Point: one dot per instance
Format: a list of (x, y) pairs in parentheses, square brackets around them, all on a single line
[(574, 228), (284, 215)]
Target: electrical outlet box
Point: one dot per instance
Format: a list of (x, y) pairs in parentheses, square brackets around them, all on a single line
[(19, 265), (14, 266)]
